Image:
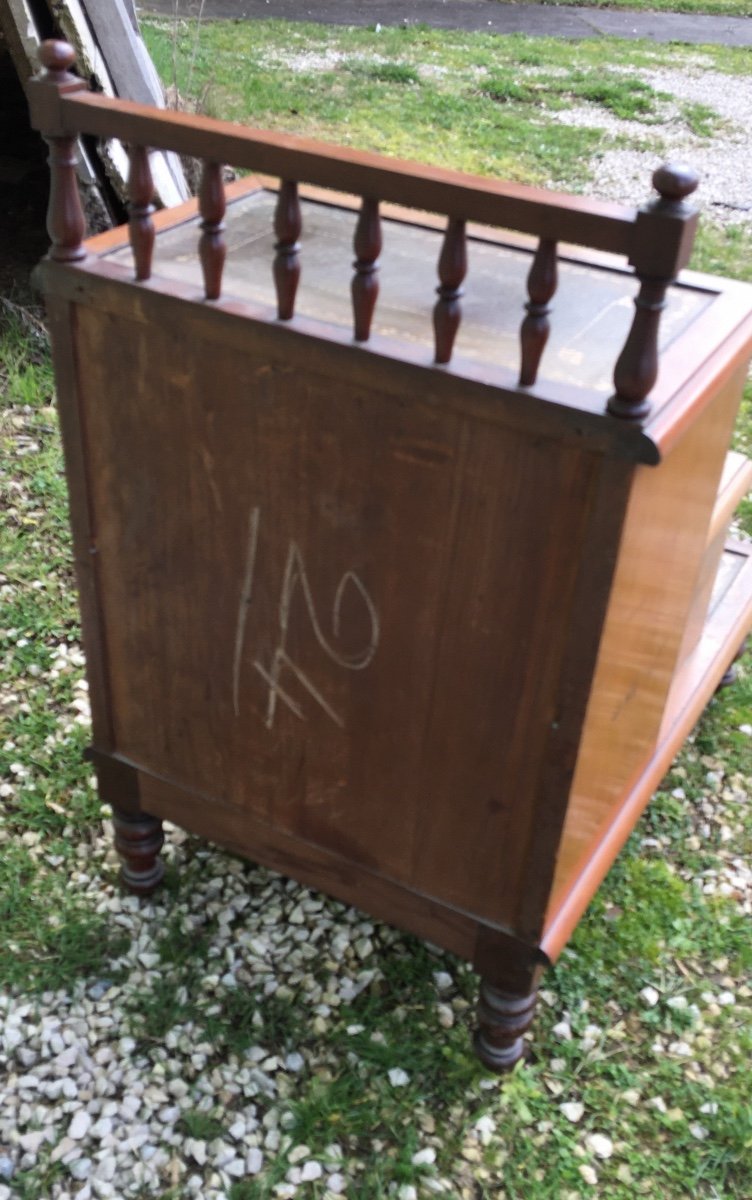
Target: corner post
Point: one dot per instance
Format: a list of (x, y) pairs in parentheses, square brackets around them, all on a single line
[(65, 217), (664, 235)]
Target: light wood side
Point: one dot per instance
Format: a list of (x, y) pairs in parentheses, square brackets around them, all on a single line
[(729, 619), (660, 558), (735, 483)]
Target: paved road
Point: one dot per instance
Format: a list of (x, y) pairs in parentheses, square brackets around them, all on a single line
[(489, 16)]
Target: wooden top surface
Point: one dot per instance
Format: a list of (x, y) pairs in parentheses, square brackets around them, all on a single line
[(591, 311)]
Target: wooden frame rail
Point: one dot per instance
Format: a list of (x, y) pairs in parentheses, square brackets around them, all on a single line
[(656, 239)]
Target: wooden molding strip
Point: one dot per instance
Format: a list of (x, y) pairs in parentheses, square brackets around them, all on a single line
[(604, 226)]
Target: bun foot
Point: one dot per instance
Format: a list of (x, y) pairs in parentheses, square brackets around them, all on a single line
[(502, 1020), (138, 841)]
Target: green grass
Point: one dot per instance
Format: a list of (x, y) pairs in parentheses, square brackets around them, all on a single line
[(718, 8), (463, 101), (486, 104)]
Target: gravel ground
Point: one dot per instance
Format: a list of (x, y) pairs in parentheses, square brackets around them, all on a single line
[(77, 1089), (723, 160)]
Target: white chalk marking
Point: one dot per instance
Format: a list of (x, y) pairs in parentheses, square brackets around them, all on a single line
[(295, 573), (274, 691), (245, 600)]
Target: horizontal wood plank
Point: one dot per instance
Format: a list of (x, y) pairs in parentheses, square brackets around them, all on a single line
[(561, 217)]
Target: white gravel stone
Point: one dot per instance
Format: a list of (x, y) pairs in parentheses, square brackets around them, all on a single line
[(81, 1169), (311, 1171), (30, 1142), (80, 1125), (298, 1153), (573, 1110), (424, 1157), (197, 1150), (254, 1161), (562, 1031), (485, 1127), (398, 1077), (599, 1144), (650, 996), (336, 1183)]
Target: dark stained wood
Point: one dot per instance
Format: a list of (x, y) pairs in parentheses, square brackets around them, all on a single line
[(288, 224), (117, 781), (138, 841), (541, 286), (387, 633), (636, 368), (572, 219), (365, 285), (447, 312), (212, 249), (61, 322), (320, 868), (140, 196), (502, 1020), (491, 394), (65, 218)]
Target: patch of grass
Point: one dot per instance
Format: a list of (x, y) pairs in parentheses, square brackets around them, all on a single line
[(470, 101), (701, 118), (718, 8), (201, 1125), (386, 72), (51, 938)]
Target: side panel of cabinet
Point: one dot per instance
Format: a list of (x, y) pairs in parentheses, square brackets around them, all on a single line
[(659, 569)]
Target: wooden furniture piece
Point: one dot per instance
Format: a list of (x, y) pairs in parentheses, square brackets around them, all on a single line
[(393, 602)]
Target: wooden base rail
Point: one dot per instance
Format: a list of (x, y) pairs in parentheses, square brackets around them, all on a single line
[(656, 239)]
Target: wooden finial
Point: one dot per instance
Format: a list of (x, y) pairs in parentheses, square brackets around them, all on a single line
[(288, 223), (664, 234), (57, 57), (140, 195), (365, 285), (674, 182), (212, 248), (541, 285), (452, 270)]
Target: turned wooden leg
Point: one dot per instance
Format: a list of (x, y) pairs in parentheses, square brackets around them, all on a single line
[(502, 1020), (138, 841), (730, 676)]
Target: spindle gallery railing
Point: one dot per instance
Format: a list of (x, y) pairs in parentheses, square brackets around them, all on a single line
[(656, 239)]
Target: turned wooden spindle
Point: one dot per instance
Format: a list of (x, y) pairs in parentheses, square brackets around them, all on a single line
[(65, 217), (502, 1020), (140, 210), (535, 328), (288, 223), (365, 285), (211, 247), (452, 270), (664, 234), (138, 841)]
